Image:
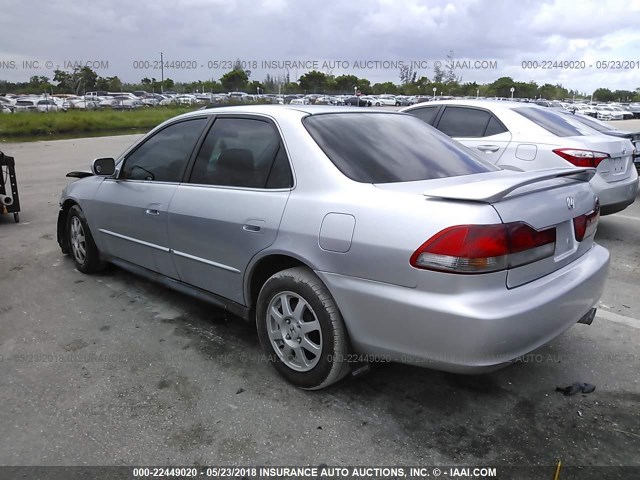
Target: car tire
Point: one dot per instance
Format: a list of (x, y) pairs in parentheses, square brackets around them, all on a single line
[(81, 246), (301, 330)]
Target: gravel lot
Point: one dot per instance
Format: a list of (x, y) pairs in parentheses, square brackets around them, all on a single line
[(110, 369)]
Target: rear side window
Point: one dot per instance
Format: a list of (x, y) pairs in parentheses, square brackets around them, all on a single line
[(387, 148), (469, 123), (242, 152), (549, 120)]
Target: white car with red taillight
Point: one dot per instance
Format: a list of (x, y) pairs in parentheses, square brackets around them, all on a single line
[(529, 137)]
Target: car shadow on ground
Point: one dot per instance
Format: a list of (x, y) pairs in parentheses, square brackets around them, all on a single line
[(513, 415)]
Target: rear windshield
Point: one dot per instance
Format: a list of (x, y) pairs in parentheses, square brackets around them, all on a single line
[(549, 120), (388, 148), (593, 123)]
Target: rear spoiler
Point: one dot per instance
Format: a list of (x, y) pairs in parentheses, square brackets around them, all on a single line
[(494, 189)]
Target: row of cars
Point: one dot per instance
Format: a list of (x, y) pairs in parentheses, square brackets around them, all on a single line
[(94, 101), (404, 245), (126, 100)]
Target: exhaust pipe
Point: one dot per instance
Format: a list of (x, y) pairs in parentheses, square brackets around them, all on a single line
[(588, 317), (6, 200)]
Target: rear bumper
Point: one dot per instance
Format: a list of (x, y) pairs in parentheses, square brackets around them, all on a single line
[(615, 196), (467, 333)]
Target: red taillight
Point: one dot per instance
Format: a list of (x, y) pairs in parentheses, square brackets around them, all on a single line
[(484, 248), (581, 158), (585, 225)]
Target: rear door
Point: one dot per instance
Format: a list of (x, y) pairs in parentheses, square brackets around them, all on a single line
[(232, 205), (476, 128)]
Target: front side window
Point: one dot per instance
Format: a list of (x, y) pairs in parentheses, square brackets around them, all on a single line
[(242, 152), (164, 156)]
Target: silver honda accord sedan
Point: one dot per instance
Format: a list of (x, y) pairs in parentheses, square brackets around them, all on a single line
[(348, 236)]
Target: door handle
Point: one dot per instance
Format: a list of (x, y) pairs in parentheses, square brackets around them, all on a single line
[(488, 148), (253, 225), (152, 211)]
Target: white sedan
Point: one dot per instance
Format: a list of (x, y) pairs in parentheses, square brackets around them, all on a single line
[(529, 137)]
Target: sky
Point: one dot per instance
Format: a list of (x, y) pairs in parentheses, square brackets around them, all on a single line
[(489, 38)]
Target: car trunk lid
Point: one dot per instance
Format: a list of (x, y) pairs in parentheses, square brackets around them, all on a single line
[(543, 199), (620, 150)]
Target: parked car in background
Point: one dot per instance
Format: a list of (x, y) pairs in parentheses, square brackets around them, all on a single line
[(404, 100), (383, 100), (400, 246), (605, 112), (126, 103), (357, 101), (635, 109), (626, 114), (47, 106), (82, 104), (584, 109), (7, 103), (607, 129), (26, 105), (529, 137)]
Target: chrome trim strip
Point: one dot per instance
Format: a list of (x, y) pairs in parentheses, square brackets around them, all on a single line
[(134, 240), (208, 262)]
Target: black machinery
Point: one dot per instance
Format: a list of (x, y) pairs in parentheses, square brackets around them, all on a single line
[(9, 201)]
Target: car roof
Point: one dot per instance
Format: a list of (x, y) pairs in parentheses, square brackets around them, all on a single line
[(485, 103), (277, 110)]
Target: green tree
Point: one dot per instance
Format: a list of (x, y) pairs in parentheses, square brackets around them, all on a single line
[(553, 92), (450, 77), (345, 83), (438, 74), (235, 80), (525, 90), (501, 87), (623, 95), (603, 95), (254, 86), (38, 83), (110, 84), (313, 81), (407, 75), (386, 87)]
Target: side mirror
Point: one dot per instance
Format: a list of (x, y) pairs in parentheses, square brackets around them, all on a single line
[(103, 166)]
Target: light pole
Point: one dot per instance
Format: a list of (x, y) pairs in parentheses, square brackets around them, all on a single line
[(512, 90), (355, 94), (477, 93), (434, 92), (161, 73)]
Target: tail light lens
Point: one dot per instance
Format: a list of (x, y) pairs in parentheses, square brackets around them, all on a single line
[(484, 248), (581, 158), (585, 225)]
